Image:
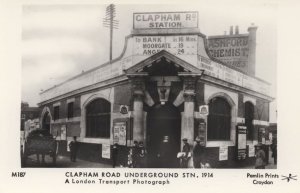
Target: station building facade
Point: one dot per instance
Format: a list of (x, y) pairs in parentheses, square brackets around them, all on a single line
[(165, 83)]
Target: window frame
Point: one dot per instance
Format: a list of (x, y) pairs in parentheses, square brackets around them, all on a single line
[(70, 111), (56, 113), (213, 116), (96, 119)]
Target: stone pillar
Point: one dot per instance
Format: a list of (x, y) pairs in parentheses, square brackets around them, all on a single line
[(187, 130), (138, 113), (187, 126)]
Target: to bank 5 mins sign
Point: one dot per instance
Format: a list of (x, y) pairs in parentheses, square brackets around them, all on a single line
[(164, 20)]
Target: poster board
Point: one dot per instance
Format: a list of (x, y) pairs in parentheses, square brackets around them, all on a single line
[(223, 153), (105, 151), (119, 132), (241, 142)]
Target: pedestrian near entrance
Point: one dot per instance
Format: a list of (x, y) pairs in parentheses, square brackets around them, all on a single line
[(260, 157), (142, 160), (164, 153), (73, 149), (274, 150), (115, 154), (135, 154), (186, 154), (197, 152)]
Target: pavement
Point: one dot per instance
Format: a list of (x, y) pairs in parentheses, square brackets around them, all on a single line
[(64, 162)]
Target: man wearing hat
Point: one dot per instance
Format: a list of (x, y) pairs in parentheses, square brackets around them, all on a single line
[(186, 151), (197, 151)]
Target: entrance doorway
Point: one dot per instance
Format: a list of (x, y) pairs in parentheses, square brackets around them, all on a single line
[(163, 136)]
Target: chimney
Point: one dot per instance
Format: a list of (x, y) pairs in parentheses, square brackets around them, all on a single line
[(252, 49), (231, 30), (236, 30)]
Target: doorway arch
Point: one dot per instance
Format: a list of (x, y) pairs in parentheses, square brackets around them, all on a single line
[(162, 121)]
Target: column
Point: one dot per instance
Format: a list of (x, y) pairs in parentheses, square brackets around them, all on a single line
[(187, 125), (138, 113)]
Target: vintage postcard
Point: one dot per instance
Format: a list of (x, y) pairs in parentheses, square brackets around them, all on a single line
[(113, 97)]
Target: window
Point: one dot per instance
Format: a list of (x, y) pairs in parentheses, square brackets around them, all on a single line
[(219, 119), (249, 115), (98, 118), (56, 113), (70, 110)]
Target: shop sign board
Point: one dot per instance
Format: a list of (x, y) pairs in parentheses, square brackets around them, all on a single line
[(227, 74), (165, 20), (119, 133), (241, 142), (233, 51), (223, 153), (106, 151)]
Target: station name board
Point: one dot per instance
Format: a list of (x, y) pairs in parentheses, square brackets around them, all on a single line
[(165, 20)]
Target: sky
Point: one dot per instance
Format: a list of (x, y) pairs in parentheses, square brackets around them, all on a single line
[(61, 41)]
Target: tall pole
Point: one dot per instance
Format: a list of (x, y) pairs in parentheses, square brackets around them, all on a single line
[(109, 22)]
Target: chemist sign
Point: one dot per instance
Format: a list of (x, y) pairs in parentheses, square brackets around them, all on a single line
[(165, 20)]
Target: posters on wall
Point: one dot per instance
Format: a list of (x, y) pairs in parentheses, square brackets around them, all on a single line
[(106, 151), (63, 132), (119, 132), (223, 153)]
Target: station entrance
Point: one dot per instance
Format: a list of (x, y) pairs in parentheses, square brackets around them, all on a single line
[(163, 136)]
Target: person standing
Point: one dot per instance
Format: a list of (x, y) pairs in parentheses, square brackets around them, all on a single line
[(197, 152), (115, 153), (73, 149), (135, 154), (142, 155), (260, 157), (274, 150), (185, 157), (163, 154)]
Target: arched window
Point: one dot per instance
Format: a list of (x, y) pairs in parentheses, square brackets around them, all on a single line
[(249, 116), (98, 118), (219, 119)]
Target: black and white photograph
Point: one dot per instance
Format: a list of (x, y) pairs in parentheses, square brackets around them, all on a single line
[(124, 86), (149, 95)]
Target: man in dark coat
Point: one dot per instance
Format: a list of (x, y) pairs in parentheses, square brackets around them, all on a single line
[(186, 151), (135, 154), (115, 153), (73, 149), (197, 152), (142, 156), (274, 150), (164, 153)]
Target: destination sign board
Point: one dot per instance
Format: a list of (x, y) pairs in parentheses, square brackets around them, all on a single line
[(165, 20), (177, 45)]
